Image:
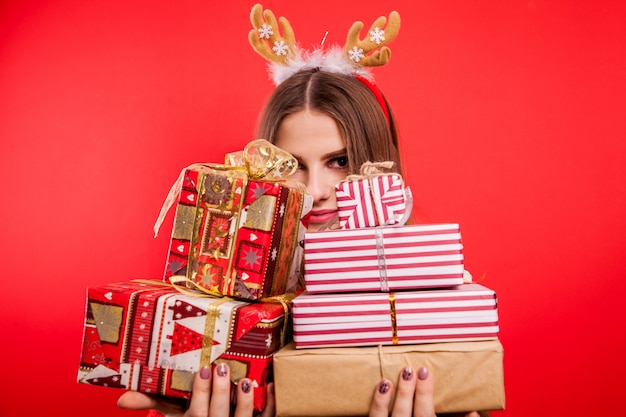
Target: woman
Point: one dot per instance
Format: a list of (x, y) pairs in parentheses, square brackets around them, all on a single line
[(331, 123)]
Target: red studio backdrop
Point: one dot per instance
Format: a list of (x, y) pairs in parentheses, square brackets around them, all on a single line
[(512, 122)]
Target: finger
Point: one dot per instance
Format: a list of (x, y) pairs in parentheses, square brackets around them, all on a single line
[(245, 398), (169, 407), (133, 400), (270, 402), (382, 399), (220, 394), (403, 405), (424, 402), (201, 397)]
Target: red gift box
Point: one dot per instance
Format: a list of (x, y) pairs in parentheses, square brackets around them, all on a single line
[(148, 336), (383, 258), (467, 312), (372, 199), (235, 235)]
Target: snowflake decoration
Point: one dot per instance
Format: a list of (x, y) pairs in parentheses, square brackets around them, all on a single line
[(356, 54), (265, 31), (280, 48), (377, 35), (281, 210), (274, 254), (268, 340)]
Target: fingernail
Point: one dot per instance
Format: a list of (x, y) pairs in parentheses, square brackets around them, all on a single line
[(246, 386), (205, 372), (221, 369), (422, 373), (383, 388), (407, 373)]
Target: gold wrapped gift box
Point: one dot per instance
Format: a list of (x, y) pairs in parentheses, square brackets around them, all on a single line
[(341, 381)]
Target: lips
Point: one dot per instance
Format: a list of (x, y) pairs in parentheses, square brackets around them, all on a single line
[(321, 217)]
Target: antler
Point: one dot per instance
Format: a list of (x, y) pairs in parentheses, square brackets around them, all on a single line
[(265, 37), (357, 49)]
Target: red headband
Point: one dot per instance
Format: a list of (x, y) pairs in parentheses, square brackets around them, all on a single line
[(378, 94)]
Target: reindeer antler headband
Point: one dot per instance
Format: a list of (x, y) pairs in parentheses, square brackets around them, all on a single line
[(286, 58)]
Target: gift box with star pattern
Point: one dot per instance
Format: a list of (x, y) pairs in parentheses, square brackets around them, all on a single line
[(147, 336), (236, 236)]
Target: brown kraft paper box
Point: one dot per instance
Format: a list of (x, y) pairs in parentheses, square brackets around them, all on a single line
[(341, 381)]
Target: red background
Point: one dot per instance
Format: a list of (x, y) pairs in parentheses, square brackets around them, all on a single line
[(512, 120)]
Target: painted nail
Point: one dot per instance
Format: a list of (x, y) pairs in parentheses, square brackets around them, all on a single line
[(246, 386), (221, 369), (422, 373), (407, 373), (383, 388), (205, 372)]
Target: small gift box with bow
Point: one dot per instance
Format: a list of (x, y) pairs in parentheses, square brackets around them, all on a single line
[(467, 312), (372, 198), (383, 258), (148, 336), (238, 226)]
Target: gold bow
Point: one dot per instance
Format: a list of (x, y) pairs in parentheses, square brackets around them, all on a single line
[(264, 161), (370, 169), (260, 159)]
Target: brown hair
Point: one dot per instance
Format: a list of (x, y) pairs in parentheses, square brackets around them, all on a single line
[(361, 121)]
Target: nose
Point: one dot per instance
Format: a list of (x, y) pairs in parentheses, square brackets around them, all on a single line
[(319, 186)]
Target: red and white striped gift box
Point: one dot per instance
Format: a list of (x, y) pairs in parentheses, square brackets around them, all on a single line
[(467, 312), (383, 258), (374, 201)]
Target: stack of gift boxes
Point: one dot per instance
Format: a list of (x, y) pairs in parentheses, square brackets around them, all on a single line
[(232, 268), (379, 295), (400, 290)]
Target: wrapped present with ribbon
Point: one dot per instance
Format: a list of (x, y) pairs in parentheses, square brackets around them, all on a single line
[(467, 375), (374, 197), (468, 312), (152, 337), (384, 258), (239, 226)]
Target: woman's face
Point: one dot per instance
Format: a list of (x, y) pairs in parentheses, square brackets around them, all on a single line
[(316, 142)]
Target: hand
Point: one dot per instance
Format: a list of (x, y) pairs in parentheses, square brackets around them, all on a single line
[(414, 396), (211, 398)]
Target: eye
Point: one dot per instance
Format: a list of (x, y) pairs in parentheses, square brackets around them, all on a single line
[(340, 162)]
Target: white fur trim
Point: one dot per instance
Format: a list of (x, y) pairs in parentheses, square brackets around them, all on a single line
[(334, 60)]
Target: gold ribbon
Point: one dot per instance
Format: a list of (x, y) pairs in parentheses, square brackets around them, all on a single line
[(200, 291), (260, 159), (285, 300), (371, 169), (394, 323), (212, 315)]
